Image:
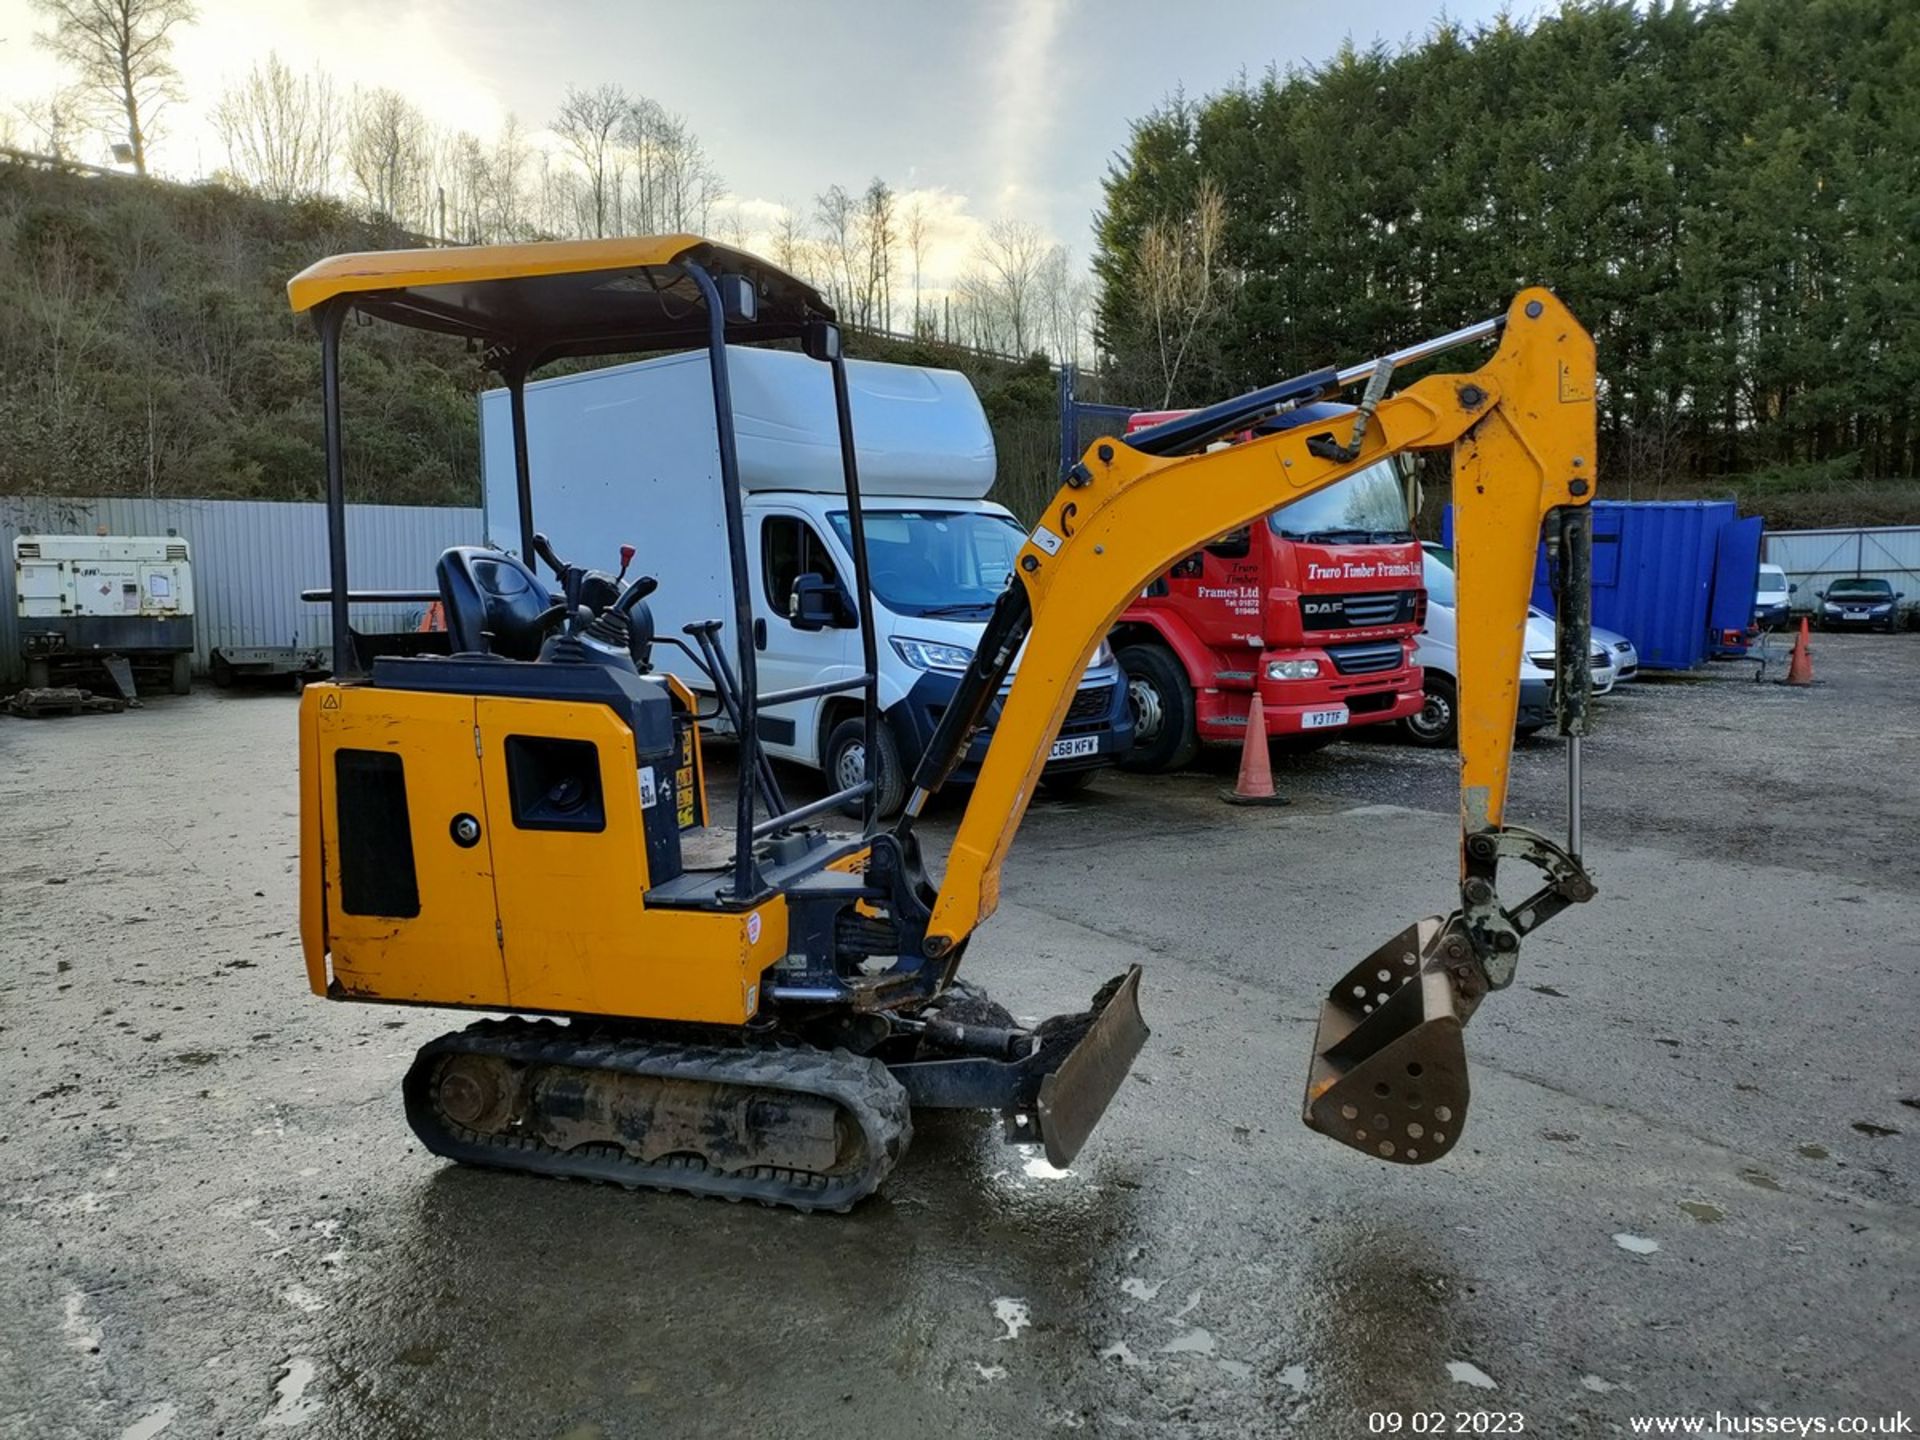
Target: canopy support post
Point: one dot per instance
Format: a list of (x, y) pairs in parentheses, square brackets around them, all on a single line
[(746, 882), (516, 378), (330, 318), (862, 588)]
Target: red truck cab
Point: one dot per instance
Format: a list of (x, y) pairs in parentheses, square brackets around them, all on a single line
[(1315, 607)]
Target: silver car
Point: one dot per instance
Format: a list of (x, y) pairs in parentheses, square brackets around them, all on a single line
[(1622, 659)]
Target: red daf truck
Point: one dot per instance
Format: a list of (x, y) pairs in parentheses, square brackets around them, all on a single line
[(1316, 608)]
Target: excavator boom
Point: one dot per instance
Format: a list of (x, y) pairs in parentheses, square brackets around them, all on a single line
[(1521, 433)]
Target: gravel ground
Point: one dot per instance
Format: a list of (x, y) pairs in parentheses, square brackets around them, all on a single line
[(1689, 1182)]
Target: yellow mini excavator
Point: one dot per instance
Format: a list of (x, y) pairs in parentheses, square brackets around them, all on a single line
[(515, 826)]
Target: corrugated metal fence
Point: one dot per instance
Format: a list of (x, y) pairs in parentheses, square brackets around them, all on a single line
[(251, 560), (1814, 559)]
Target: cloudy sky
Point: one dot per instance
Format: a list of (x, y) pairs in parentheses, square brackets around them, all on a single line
[(994, 107)]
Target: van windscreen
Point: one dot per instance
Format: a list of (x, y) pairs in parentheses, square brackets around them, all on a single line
[(936, 562)]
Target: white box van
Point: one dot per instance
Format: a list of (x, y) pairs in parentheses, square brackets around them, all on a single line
[(628, 454)]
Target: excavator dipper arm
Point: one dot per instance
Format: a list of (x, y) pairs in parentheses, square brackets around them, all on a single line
[(1521, 432)]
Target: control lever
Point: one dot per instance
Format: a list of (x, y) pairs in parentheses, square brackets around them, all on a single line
[(643, 586), (627, 552), (571, 577)]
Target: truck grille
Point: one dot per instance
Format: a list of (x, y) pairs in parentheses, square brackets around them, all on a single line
[(1348, 612), (1366, 659), (27, 550)]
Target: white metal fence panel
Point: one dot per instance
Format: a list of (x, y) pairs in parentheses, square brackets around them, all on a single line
[(1814, 559), (251, 560)]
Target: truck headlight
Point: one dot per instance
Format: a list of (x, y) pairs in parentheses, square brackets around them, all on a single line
[(1102, 655), (932, 654), (1293, 670)]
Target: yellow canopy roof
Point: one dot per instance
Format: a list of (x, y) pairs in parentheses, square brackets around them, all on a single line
[(560, 297)]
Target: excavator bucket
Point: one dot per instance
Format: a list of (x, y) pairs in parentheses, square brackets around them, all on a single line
[(1074, 1096), (1389, 1073)]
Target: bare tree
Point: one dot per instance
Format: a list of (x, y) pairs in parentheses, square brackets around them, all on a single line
[(503, 202), (877, 238), (732, 227), (387, 155), (690, 184), (1062, 301), (1009, 257), (121, 51), (918, 228), (1177, 276), (590, 122), (281, 130), (788, 241), (50, 122), (834, 210)]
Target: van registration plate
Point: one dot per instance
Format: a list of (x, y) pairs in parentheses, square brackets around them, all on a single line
[(1074, 747), (1324, 719)]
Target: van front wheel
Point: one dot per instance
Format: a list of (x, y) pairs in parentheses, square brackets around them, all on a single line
[(846, 764)]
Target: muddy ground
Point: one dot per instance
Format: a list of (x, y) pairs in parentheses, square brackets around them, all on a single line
[(1689, 1183)]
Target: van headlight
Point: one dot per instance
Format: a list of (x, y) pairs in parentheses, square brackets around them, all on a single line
[(1293, 670), (932, 654)]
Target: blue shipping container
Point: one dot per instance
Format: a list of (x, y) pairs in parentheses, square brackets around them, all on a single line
[(1673, 576)]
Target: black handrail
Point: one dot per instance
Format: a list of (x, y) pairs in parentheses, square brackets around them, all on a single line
[(374, 597), (814, 692), (863, 788), (727, 691)]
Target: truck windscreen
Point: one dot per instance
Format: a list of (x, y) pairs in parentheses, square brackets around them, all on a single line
[(1368, 507), (936, 562)]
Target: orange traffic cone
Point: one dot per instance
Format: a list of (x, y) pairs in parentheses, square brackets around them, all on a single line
[(1800, 664), (1255, 786)]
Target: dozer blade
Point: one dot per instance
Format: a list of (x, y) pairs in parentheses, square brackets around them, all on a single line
[(1075, 1095), (1389, 1073)]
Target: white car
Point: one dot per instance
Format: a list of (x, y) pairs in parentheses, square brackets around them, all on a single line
[(1435, 648)]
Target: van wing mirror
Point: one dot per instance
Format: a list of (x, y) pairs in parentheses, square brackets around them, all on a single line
[(817, 603)]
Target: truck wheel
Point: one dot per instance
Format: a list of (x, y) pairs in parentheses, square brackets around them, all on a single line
[(180, 677), (39, 675), (1438, 723), (1067, 784), (1164, 733), (847, 765)]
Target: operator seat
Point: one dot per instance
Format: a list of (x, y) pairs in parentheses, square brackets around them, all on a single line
[(495, 604)]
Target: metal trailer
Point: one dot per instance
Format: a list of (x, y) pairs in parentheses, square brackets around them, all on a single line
[(1813, 559), (122, 603), (302, 662)]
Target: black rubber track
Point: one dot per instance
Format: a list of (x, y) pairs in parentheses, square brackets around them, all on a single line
[(861, 1088)]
